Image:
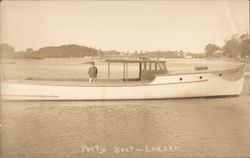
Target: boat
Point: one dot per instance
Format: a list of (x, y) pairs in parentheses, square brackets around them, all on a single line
[(154, 82)]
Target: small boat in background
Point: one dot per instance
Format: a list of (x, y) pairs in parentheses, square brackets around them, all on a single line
[(201, 68), (154, 82)]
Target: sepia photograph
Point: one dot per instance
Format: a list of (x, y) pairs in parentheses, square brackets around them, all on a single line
[(124, 79)]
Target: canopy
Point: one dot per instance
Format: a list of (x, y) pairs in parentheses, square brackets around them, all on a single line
[(134, 61)]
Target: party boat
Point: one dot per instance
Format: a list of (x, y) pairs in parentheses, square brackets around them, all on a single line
[(154, 82)]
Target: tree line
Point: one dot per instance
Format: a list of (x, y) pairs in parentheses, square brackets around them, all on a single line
[(64, 51), (73, 50), (236, 47)]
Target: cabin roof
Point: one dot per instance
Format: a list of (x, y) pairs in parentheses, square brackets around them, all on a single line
[(134, 61)]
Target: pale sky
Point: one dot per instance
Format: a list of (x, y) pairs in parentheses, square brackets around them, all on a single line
[(123, 25)]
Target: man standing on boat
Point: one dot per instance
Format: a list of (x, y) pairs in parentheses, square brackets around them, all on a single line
[(92, 72)]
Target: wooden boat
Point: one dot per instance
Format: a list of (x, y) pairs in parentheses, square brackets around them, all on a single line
[(154, 82)]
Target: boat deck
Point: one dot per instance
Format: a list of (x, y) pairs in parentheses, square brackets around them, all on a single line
[(74, 82), (102, 82)]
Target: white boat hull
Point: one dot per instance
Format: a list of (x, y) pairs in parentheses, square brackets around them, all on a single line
[(202, 84)]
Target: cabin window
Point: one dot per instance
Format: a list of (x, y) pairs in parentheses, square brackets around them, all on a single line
[(145, 66), (181, 79), (158, 67), (153, 66), (200, 77), (148, 66), (161, 66), (220, 74)]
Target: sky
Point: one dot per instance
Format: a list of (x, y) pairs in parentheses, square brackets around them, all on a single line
[(186, 25)]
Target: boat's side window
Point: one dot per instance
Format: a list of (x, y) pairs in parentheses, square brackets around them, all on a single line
[(200, 77), (148, 66), (181, 79), (158, 67), (162, 66), (153, 66), (220, 74)]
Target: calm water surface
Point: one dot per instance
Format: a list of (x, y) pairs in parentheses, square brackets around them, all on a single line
[(199, 127)]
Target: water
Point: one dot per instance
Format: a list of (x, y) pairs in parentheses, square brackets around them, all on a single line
[(199, 127)]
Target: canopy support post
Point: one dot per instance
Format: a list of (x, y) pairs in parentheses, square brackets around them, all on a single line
[(124, 71), (108, 70), (140, 66)]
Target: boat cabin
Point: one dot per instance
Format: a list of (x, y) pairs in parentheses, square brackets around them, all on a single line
[(147, 68)]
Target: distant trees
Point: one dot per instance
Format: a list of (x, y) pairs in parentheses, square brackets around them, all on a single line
[(160, 54), (63, 51), (212, 50), (7, 51), (231, 48), (244, 47), (72, 50), (236, 47)]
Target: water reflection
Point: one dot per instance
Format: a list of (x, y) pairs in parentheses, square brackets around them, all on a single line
[(196, 126)]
